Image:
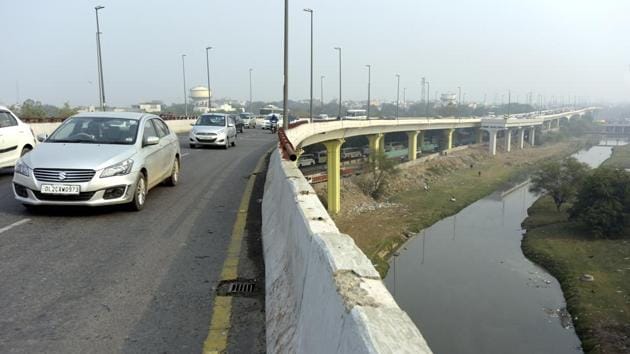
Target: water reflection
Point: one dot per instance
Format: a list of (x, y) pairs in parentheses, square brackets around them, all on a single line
[(466, 284)]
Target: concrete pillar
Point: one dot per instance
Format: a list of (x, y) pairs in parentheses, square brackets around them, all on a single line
[(333, 150), (412, 145), (492, 146), (420, 141), (508, 140), (374, 141), (479, 137), (521, 138), (532, 136), (448, 139), (381, 143)]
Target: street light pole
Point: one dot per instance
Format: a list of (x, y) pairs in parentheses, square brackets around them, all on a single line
[(285, 89), (339, 49), (397, 94), (101, 85), (321, 87), (369, 84), (250, 90), (184, 76), (428, 99), (208, 71), (311, 102)]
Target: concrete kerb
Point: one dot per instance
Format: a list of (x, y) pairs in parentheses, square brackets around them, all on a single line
[(323, 294)]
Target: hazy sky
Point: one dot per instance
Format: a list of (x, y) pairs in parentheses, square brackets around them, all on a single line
[(552, 47)]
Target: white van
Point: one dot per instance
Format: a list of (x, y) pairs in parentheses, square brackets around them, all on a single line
[(16, 138)]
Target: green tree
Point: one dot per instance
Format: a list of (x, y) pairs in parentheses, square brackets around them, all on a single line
[(559, 180), (32, 109), (603, 201), (380, 168), (66, 111)]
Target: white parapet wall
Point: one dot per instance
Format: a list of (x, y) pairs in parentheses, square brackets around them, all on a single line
[(178, 126), (323, 295)]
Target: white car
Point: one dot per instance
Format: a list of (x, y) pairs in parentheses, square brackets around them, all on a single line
[(16, 138), (100, 158), (306, 160), (213, 129)]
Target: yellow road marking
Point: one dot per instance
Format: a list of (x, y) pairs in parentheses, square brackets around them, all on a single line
[(216, 342)]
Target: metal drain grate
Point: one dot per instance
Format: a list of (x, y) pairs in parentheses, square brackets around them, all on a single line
[(238, 287)]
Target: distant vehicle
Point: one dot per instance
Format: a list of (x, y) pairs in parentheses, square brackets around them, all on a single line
[(271, 109), (16, 138), (321, 156), (238, 123), (213, 129), (306, 160), (365, 150), (99, 158), (320, 117), (249, 120), (356, 114), (394, 146), (267, 122), (351, 153)]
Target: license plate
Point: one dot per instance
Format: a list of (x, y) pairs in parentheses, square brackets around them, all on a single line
[(60, 189)]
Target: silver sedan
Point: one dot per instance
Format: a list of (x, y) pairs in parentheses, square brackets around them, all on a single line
[(100, 158)]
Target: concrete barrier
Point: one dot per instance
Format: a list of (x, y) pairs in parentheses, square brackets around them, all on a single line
[(323, 295), (178, 126)]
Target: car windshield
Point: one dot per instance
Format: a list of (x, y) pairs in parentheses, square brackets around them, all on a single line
[(217, 121), (96, 130)]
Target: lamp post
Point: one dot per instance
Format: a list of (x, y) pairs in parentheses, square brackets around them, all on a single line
[(397, 94), (310, 11), (339, 49), (208, 71), (99, 59), (428, 99), (184, 77), (250, 90), (369, 84), (285, 89), (321, 87)]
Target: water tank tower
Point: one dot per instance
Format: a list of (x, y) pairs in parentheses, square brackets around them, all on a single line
[(199, 95)]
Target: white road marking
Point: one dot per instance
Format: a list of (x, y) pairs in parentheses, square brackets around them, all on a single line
[(185, 154), (17, 223)]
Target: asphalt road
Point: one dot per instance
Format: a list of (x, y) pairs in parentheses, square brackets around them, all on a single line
[(103, 280)]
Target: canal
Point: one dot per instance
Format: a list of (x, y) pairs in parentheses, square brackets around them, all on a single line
[(468, 287)]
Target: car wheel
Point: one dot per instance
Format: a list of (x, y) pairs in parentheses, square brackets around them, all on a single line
[(227, 144), (173, 179), (139, 194), (234, 142), (25, 151)]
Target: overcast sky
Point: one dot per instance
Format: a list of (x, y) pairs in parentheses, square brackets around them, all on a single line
[(552, 47)]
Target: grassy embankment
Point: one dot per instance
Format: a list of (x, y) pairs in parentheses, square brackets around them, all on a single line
[(380, 231), (601, 308)]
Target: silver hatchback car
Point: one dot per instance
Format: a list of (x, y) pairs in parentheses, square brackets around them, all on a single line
[(99, 158)]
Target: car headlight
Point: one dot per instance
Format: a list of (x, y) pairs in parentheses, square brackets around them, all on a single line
[(22, 168), (119, 169)]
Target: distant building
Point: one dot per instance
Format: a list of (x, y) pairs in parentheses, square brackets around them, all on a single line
[(149, 107), (86, 109), (448, 99)]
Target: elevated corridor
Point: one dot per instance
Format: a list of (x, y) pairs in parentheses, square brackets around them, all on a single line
[(79, 280)]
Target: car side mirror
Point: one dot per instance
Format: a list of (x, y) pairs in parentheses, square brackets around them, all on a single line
[(42, 137), (152, 140)]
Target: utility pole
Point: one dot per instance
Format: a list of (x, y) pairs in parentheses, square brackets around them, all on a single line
[(339, 49), (184, 76), (321, 87), (369, 84), (423, 93), (99, 58), (250, 90), (311, 103), (285, 90), (428, 99), (397, 95), (208, 71)]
